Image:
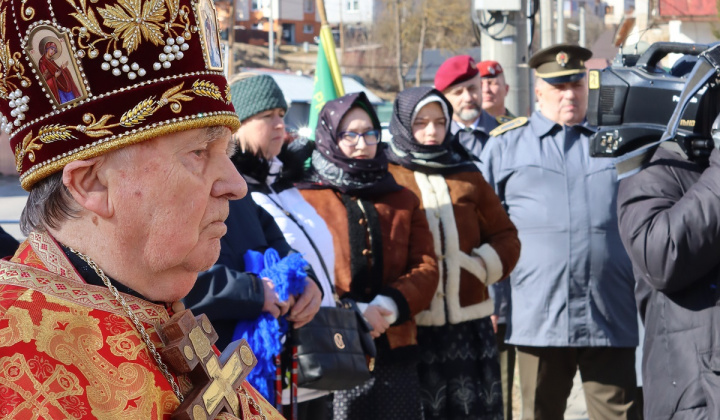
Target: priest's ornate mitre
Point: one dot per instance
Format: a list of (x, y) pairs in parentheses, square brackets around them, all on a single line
[(84, 77)]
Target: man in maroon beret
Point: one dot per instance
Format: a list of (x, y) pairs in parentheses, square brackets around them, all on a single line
[(459, 80), (494, 90), (122, 134)]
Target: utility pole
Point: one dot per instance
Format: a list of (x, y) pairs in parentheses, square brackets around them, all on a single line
[(546, 23), (231, 40), (342, 31), (506, 43), (560, 31), (398, 52), (583, 34), (271, 37)]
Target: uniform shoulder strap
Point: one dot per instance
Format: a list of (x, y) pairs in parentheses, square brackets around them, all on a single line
[(510, 125)]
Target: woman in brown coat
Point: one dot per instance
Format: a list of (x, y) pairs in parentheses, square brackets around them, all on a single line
[(477, 245), (384, 256)]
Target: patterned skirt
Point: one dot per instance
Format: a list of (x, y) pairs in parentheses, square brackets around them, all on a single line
[(459, 372), (393, 393)]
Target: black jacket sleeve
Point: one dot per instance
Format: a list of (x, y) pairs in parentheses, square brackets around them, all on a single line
[(669, 217), (8, 244), (227, 294)]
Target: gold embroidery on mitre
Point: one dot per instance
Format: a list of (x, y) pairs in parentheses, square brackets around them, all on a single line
[(12, 80), (27, 14), (100, 128), (46, 134), (161, 22), (52, 55)]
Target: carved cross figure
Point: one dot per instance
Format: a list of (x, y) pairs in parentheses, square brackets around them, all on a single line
[(188, 349)]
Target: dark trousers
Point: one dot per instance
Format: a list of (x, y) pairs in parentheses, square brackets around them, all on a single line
[(316, 409), (608, 376), (506, 353)]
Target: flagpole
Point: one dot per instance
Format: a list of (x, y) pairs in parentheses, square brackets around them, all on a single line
[(321, 12), (327, 40), (327, 84)]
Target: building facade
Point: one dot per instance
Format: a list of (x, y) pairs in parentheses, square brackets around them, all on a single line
[(295, 21)]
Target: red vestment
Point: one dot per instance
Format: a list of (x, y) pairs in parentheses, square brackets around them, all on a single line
[(67, 349)]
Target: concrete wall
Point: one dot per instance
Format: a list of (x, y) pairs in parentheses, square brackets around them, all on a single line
[(700, 32)]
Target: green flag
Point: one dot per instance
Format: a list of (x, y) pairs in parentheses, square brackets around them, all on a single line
[(328, 79)]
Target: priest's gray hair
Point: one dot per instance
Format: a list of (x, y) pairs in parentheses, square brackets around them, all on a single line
[(48, 205)]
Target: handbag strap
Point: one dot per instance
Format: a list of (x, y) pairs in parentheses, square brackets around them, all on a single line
[(312, 243)]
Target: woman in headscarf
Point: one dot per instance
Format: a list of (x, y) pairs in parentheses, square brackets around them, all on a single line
[(477, 245), (384, 256)]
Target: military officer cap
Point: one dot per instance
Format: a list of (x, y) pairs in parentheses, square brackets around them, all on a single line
[(562, 63)]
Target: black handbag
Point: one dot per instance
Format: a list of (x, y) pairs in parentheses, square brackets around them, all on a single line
[(335, 350)]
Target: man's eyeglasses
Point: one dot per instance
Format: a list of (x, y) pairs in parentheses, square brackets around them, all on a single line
[(351, 138)]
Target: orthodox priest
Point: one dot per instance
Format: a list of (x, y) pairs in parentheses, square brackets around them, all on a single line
[(129, 188)]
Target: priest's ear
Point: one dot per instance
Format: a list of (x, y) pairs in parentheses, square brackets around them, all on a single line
[(87, 183)]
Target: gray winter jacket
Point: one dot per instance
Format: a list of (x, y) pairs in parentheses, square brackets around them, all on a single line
[(669, 217)]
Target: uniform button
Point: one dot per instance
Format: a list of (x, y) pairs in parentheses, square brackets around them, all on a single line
[(362, 222), (366, 252), (440, 257)]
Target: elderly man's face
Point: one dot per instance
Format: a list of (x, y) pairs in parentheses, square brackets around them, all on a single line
[(466, 99), (563, 103), (171, 200), (494, 91)]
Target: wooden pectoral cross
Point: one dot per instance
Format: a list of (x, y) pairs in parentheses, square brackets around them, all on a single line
[(188, 349)]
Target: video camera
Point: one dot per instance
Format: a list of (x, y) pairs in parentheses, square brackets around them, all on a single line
[(631, 103)]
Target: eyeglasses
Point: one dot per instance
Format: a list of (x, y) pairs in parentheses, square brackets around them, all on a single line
[(351, 138)]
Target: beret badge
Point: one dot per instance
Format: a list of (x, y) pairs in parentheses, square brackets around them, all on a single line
[(79, 78)]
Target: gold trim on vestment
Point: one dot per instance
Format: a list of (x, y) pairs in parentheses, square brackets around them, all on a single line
[(70, 286)]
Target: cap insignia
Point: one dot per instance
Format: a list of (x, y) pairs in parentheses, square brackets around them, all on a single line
[(562, 58), (491, 70)]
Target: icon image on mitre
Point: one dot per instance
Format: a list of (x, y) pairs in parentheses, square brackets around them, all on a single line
[(55, 66), (208, 25)]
